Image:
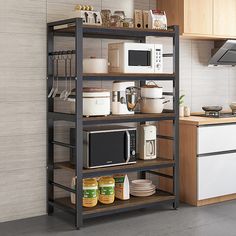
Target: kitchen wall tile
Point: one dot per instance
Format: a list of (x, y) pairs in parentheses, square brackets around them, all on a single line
[(23, 50), (22, 18), (24, 190), (22, 158), (22, 126)]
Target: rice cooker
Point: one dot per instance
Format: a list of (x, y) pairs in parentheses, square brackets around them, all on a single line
[(96, 102)]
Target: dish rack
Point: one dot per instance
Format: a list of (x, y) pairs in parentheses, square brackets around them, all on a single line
[(74, 28)]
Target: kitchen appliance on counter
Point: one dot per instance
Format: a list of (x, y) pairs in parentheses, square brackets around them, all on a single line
[(119, 102), (135, 58), (147, 142), (107, 146), (215, 112), (96, 102)]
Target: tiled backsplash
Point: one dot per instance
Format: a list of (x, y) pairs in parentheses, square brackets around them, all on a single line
[(201, 84)]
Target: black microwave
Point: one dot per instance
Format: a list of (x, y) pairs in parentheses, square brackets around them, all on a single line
[(106, 146)]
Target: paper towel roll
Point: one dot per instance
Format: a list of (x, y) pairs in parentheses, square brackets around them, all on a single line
[(95, 65)]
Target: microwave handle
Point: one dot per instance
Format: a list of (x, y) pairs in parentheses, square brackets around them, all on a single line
[(128, 146)]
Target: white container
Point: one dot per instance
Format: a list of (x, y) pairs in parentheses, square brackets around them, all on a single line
[(95, 65), (187, 111), (151, 91), (152, 105), (181, 111), (96, 102)]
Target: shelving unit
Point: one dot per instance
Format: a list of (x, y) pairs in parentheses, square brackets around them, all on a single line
[(77, 30)]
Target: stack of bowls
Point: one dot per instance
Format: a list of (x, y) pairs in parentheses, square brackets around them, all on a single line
[(142, 188)]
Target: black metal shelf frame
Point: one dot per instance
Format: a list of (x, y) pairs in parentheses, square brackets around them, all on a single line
[(77, 30)]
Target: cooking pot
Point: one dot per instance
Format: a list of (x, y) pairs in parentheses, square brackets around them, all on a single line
[(95, 65), (96, 102), (151, 90), (152, 105)]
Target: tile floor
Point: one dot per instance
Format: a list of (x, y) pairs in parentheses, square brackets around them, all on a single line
[(213, 220)]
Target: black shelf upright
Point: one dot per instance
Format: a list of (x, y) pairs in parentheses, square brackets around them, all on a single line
[(74, 28)]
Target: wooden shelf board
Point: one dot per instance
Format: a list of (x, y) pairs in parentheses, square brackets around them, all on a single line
[(133, 76), (137, 117), (119, 205), (114, 32), (140, 165), (128, 118)]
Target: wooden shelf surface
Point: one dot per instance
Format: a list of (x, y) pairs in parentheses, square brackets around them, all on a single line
[(119, 205), (108, 32), (129, 76), (137, 117), (141, 165)]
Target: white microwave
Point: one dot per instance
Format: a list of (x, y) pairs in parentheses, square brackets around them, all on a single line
[(135, 58)]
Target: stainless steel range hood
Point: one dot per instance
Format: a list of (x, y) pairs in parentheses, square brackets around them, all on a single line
[(224, 53)]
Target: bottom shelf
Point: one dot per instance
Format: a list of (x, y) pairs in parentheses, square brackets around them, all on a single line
[(119, 205)]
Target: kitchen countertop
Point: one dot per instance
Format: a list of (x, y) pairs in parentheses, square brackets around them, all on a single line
[(197, 120)]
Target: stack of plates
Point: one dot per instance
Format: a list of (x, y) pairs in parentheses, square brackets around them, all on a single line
[(142, 188)]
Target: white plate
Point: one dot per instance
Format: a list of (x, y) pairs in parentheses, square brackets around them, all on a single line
[(141, 182), (144, 188), (146, 194)]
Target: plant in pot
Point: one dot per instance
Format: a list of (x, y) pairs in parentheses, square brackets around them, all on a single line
[(181, 105)]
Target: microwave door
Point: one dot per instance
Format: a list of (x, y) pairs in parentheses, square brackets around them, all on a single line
[(140, 61), (139, 58), (107, 148)]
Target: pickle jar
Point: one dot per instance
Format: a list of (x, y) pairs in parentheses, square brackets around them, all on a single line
[(106, 190), (90, 192)]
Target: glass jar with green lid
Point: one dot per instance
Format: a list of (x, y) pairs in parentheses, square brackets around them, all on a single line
[(90, 192), (106, 190)]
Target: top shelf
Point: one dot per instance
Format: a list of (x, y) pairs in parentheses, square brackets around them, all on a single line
[(68, 28)]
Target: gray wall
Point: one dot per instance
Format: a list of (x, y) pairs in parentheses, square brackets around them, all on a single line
[(22, 108)]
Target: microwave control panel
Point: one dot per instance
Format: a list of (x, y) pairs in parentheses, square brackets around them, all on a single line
[(132, 145), (158, 59)]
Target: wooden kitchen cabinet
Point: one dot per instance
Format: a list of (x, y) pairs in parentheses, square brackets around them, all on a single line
[(193, 17), (202, 18), (207, 160), (216, 175), (224, 18), (198, 17)]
